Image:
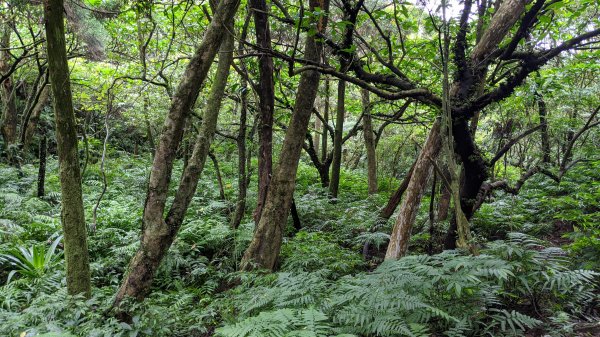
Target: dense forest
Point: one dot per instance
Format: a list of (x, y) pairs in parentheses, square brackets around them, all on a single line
[(241, 168)]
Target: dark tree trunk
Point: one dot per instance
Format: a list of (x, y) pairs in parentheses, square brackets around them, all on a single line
[(295, 216), (266, 243), (41, 180), (266, 103), (72, 213), (157, 232), (543, 112), (336, 165)]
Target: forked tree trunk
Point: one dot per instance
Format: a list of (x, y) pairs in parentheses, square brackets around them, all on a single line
[(336, 165), (266, 243), (369, 142), (157, 232), (266, 103), (471, 77), (400, 236), (72, 214)]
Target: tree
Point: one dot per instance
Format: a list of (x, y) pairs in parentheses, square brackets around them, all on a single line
[(266, 242), (72, 213), (158, 232)]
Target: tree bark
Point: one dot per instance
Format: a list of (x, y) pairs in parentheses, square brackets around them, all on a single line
[(336, 165), (240, 205), (41, 180), (158, 232), (400, 236), (8, 125), (266, 96), (543, 112), (325, 134), (396, 197), (72, 213), (266, 243), (31, 125), (369, 142)]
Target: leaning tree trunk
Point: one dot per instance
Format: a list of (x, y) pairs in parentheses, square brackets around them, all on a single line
[(399, 239), (266, 243), (369, 143), (386, 212), (266, 96), (336, 166), (158, 233), (72, 214), (470, 79)]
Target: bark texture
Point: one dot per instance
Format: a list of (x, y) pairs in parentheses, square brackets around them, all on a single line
[(336, 165), (31, 124), (398, 245), (41, 180), (8, 122), (266, 242), (266, 97), (369, 142), (157, 232), (72, 214)]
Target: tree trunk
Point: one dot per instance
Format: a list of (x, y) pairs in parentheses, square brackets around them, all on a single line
[(444, 203), (325, 133), (369, 142), (157, 232), (396, 197), (336, 166), (400, 236), (266, 103), (31, 125), (543, 112), (215, 162), (266, 243), (41, 180), (240, 206), (72, 213), (8, 125)]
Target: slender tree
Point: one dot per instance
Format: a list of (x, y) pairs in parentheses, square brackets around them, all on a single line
[(72, 213), (266, 242), (266, 96)]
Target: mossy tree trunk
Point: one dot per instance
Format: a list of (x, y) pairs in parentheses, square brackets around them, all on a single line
[(8, 122), (336, 165), (72, 214), (369, 138), (266, 96), (266, 243), (159, 232)]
